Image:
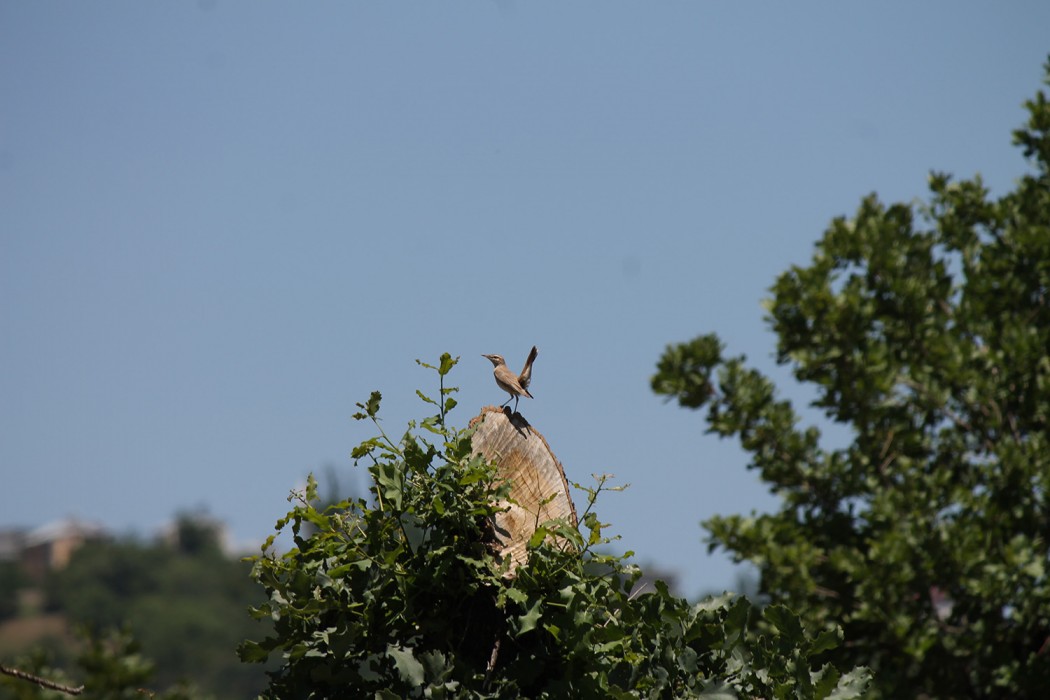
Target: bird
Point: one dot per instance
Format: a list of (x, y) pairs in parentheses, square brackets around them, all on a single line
[(515, 385)]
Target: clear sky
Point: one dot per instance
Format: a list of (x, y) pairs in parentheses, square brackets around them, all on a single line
[(224, 223)]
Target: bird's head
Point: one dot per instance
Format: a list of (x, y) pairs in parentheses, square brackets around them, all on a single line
[(496, 360)]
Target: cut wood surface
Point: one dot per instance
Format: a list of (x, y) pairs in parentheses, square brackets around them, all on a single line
[(538, 487)]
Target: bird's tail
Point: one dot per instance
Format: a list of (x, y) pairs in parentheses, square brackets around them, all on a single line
[(525, 378)]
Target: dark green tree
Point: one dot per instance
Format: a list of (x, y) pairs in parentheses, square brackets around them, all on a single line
[(184, 602), (11, 581), (111, 667), (400, 596), (925, 329)]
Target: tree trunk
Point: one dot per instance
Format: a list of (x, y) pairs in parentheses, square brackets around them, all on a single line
[(539, 490)]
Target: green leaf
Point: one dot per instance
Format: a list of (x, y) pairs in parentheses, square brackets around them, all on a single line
[(252, 652), (852, 685), (472, 477), (687, 661), (311, 488), (408, 667), (786, 622), (537, 537), (736, 620), (718, 690), (528, 621), (432, 424), (370, 407), (517, 595), (825, 681), (595, 535), (447, 363), (828, 639), (366, 447)]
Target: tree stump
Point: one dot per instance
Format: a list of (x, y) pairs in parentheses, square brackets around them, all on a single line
[(539, 490)]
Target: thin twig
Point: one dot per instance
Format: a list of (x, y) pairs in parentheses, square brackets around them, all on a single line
[(886, 445), (887, 462), (42, 682), (492, 663)]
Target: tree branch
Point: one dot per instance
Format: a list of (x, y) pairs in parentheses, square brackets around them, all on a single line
[(42, 682)]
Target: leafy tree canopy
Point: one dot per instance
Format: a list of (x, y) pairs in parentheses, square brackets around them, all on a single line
[(400, 596), (926, 330)]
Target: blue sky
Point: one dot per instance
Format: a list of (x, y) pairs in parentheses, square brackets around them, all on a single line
[(224, 223)]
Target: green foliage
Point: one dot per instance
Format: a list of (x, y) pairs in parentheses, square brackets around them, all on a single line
[(111, 666), (183, 603), (197, 535), (115, 668), (11, 581), (926, 330), (402, 596)]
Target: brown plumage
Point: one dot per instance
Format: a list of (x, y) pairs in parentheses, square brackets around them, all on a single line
[(515, 385)]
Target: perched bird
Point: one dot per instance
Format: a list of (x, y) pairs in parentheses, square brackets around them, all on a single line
[(515, 385)]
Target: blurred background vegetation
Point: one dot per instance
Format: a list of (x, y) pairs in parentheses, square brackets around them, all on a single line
[(182, 598)]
